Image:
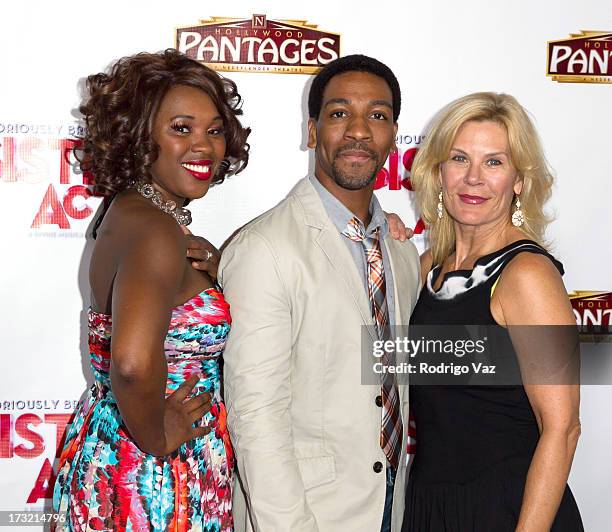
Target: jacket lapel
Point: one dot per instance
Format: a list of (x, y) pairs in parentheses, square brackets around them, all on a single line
[(336, 252), (400, 291)]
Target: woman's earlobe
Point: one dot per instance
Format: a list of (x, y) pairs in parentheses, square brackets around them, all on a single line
[(518, 186)]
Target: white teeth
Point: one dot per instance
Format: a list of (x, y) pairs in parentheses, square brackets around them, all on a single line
[(196, 168)]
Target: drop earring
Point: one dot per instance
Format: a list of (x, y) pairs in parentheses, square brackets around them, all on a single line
[(518, 218), (440, 205)]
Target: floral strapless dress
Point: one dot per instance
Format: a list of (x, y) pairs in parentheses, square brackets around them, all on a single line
[(105, 482)]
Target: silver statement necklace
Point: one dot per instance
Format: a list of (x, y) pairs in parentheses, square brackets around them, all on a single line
[(180, 214)]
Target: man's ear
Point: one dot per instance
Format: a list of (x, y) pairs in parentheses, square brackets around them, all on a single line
[(312, 133)]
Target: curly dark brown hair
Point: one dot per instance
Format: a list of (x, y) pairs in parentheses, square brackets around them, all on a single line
[(120, 108)]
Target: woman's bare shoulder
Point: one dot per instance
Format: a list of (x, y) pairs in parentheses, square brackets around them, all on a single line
[(531, 291), (142, 236), (132, 222), (529, 270)]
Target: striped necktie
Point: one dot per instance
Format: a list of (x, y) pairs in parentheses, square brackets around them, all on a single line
[(391, 425)]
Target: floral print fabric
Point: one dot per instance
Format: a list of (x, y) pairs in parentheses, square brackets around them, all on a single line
[(105, 482)]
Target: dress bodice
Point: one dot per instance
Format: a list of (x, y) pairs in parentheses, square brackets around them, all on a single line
[(194, 342)]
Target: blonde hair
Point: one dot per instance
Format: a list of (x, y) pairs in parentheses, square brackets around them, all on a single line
[(526, 155)]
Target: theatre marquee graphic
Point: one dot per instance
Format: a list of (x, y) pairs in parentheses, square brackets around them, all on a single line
[(259, 44), (593, 313), (585, 57)]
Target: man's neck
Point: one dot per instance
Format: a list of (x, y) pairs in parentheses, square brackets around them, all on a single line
[(356, 201)]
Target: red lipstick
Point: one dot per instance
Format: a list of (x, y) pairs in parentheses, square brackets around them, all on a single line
[(472, 200), (200, 169)]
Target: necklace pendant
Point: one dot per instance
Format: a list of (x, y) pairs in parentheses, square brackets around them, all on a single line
[(147, 190)]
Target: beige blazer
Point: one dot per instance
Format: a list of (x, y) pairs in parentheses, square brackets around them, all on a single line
[(306, 432)]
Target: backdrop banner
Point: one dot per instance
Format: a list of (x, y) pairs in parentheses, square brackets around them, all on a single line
[(554, 57)]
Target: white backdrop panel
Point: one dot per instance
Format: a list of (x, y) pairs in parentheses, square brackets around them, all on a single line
[(439, 51)]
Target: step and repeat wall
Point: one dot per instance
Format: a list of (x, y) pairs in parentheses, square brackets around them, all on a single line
[(554, 57)]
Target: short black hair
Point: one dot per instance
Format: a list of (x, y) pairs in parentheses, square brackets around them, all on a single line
[(352, 63)]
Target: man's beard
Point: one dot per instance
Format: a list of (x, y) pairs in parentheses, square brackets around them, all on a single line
[(361, 178)]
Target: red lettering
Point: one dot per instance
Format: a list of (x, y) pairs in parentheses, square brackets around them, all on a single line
[(407, 184), (6, 432), (408, 158), (37, 168), (407, 161), (419, 227), (7, 165), (382, 179), (392, 177), (28, 152), (7, 428), (66, 147), (23, 430), (71, 210), (51, 212), (88, 178), (60, 421), (43, 486)]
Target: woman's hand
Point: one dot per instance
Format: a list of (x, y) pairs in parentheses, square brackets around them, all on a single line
[(203, 255), (397, 228), (181, 413)]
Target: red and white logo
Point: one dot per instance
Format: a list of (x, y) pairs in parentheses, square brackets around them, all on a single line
[(585, 57), (35, 432), (397, 172), (593, 311), (46, 166), (259, 44)]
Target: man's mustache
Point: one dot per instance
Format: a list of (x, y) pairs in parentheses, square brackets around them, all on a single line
[(356, 146)]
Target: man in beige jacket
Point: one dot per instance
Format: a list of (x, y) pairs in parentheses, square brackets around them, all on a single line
[(306, 431)]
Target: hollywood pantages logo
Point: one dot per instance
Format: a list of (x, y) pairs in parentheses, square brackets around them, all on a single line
[(258, 44), (585, 57)]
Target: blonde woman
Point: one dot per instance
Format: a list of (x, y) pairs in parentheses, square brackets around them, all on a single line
[(489, 458)]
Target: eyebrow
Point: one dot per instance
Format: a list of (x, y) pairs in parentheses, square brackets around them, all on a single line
[(381, 102), (191, 117), (486, 154), (344, 101)]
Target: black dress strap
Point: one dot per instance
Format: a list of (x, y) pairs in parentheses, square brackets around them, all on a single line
[(498, 260)]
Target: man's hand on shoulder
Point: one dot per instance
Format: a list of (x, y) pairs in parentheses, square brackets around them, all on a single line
[(397, 228)]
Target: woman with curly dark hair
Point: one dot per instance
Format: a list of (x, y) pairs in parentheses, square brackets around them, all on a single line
[(149, 449)]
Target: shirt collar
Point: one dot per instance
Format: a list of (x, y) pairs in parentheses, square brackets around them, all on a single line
[(340, 215)]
